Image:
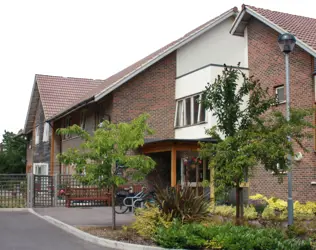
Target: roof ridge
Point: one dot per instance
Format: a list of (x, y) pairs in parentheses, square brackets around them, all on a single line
[(125, 73), (280, 12), (69, 77)]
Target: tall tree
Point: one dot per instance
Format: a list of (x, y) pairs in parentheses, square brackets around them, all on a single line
[(253, 133), (109, 146), (13, 155)]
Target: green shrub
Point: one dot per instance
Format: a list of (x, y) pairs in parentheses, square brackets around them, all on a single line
[(269, 213), (259, 201), (149, 219), (223, 210), (183, 204), (250, 213), (304, 211), (228, 237)]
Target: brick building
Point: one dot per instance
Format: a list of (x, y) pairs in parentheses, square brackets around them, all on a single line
[(159, 84), (261, 28), (167, 85)]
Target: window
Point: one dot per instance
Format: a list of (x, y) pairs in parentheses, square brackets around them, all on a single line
[(68, 123), (37, 140), (279, 92), (83, 118), (190, 111), (46, 132), (40, 168), (196, 108), (179, 119)]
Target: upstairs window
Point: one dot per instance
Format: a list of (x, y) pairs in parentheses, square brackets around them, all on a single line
[(37, 139), (180, 115), (190, 111), (46, 132), (280, 94)]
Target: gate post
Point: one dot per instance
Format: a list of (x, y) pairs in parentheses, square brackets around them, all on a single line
[(55, 184), (30, 190)]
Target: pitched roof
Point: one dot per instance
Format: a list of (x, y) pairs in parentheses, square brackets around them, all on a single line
[(303, 28), (56, 93), (123, 76)]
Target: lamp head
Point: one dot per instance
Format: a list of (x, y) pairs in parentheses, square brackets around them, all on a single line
[(286, 42)]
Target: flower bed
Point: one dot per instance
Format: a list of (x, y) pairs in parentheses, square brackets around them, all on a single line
[(177, 223)]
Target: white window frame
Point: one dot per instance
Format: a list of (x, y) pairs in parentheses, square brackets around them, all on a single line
[(46, 132), (43, 166), (276, 93), (183, 120), (37, 138)]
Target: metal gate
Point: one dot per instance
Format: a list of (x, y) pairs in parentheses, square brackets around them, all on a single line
[(43, 195)]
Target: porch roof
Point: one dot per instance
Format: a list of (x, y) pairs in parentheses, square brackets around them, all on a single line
[(163, 145), (154, 140)]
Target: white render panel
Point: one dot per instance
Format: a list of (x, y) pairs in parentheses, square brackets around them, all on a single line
[(190, 85), (193, 83), (215, 46)]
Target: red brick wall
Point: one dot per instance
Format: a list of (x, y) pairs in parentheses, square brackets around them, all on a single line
[(153, 92), (266, 63)]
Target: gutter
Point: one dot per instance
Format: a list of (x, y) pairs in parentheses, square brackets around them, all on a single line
[(71, 109)]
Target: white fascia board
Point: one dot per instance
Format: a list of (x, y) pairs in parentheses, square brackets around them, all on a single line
[(124, 79), (300, 43), (30, 104), (237, 22)]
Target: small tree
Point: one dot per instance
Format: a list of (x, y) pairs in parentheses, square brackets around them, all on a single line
[(13, 156), (253, 133), (109, 147)]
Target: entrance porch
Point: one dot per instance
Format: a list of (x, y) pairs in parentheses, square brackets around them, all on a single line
[(178, 164)]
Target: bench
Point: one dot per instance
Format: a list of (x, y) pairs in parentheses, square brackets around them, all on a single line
[(88, 194)]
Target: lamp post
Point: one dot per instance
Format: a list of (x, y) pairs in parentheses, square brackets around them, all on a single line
[(287, 42)]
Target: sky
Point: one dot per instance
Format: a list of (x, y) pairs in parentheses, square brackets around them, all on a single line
[(95, 38)]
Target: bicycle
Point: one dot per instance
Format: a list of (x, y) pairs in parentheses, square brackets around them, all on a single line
[(126, 200)]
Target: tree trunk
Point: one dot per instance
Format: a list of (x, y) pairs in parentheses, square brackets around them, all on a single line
[(241, 195), (239, 205), (113, 208)]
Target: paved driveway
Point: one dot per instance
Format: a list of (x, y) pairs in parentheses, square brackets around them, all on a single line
[(25, 231), (94, 216)]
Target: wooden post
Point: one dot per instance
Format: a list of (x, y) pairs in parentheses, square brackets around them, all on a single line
[(204, 169), (212, 187), (204, 174), (52, 150), (173, 167), (197, 179)]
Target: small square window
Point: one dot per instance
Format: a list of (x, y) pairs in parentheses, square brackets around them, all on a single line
[(280, 95)]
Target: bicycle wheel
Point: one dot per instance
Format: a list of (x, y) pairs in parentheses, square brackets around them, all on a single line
[(120, 208)]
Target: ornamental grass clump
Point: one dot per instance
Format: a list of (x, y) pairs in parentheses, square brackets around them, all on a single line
[(182, 204)]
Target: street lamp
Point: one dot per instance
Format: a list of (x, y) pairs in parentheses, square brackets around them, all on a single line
[(287, 42)]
